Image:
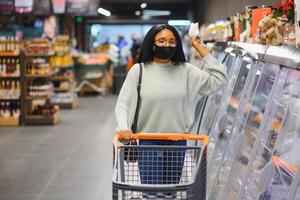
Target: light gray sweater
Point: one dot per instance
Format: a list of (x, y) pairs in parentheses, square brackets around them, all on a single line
[(168, 95)]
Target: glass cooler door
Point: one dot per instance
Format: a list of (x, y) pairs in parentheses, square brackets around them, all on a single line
[(213, 101), (273, 168), (242, 132), (225, 116)]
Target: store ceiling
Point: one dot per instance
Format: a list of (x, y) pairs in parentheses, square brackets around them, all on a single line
[(180, 9)]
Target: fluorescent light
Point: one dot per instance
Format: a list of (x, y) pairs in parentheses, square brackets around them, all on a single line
[(104, 12), (179, 22), (137, 13), (143, 5), (156, 13)]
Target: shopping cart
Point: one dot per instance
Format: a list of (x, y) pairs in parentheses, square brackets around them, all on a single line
[(160, 171)]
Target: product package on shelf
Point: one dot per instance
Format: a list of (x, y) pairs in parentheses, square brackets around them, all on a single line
[(297, 22), (38, 46), (248, 17), (40, 88), (271, 30), (41, 112), (277, 28), (39, 66), (9, 45), (62, 46), (257, 15)]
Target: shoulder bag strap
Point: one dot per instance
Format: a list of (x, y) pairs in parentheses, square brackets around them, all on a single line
[(135, 122)]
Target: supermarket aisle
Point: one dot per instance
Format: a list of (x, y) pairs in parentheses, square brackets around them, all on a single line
[(71, 161)]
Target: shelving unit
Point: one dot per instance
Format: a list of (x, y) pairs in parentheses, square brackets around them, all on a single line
[(63, 79), (10, 91), (37, 88)]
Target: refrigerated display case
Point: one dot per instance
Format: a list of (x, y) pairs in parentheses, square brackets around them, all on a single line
[(273, 167), (243, 77), (243, 133), (252, 159)]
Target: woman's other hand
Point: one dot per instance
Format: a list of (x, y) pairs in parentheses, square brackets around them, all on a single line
[(125, 135)]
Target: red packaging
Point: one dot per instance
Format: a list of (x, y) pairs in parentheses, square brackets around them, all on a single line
[(257, 15)]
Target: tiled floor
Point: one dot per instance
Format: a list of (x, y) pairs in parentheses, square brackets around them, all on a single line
[(70, 161)]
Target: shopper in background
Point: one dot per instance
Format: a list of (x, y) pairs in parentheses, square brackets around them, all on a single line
[(124, 52), (135, 48), (121, 42), (169, 91)]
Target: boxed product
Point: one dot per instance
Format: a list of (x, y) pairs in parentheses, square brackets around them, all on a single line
[(271, 30), (257, 15)]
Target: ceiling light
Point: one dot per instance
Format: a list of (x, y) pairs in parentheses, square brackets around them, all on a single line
[(179, 22), (143, 5), (104, 12), (156, 13), (137, 13)]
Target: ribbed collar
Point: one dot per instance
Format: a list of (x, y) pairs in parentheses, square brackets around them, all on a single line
[(162, 65)]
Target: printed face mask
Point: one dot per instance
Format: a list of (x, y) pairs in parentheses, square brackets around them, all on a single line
[(164, 52)]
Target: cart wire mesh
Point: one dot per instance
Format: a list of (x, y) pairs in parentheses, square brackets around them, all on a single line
[(159, 172)]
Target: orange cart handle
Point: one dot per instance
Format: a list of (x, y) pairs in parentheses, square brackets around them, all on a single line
[(167, 136)]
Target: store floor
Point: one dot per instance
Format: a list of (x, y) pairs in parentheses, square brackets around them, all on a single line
[(70, 161)]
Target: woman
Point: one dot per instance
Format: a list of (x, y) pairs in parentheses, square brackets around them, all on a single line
[(169, 91)]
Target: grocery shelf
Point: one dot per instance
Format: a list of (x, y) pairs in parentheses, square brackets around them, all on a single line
[(39, 55), (10, 121), (281, 55), (10, 77), (61, 78), (65, 105), (39, 76), (61, 90), (41, 120), (36, 97), (9, 54), (64, 67), (10, 99)]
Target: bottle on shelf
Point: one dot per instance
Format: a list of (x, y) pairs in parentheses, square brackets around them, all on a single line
[(10, 89), (10, 109), (9, 44), (10, 67)]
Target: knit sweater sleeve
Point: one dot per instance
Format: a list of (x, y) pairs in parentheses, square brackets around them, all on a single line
[(127, 100), (207, 80)]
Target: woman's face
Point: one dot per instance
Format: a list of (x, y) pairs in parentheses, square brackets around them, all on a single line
[(165, 38)]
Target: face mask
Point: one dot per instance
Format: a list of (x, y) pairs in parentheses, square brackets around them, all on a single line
[(164, 52)]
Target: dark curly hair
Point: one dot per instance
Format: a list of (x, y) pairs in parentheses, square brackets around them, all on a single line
[(146, 53)]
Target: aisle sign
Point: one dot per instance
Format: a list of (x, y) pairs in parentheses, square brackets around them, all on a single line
[(6, 6), (59, 6), (23, 6), (92, 7), (77, 6), (41, 7)]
